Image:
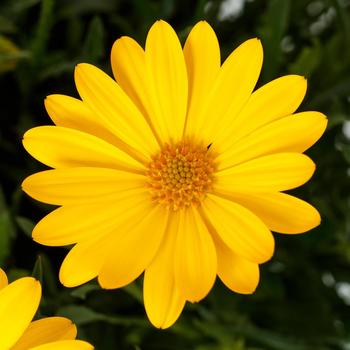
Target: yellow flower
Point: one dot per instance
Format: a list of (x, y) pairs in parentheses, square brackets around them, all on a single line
[(19, 301), (175, 169)]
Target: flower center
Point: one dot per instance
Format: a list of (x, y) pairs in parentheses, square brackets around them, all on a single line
[(181, 174)]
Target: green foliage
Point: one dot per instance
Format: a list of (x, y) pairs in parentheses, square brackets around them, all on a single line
[(272, 31), (7, 230), (303, 302)]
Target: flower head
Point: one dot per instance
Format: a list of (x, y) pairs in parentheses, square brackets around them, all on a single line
[(19, 301), (176, 168)]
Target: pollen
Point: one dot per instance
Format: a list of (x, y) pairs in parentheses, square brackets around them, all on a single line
[(181, 174)]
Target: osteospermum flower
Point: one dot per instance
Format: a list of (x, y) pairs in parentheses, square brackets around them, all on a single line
[(175, 168), (19, 301)]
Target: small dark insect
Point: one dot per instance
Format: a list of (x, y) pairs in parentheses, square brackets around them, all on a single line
[(209, 146)]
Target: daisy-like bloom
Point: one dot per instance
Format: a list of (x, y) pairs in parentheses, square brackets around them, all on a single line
[(176, 169), (19, 302)]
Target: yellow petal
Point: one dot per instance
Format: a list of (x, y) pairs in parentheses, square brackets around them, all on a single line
[(276, 172), (3, 279), (167, 76), (65, 345), (18, 304), (195, 257), (243, 232), (133, 247), (238, 274), (75, 186), (85, 260), (129, 67), (162, 299), (295, 133), (202, 57), (60, 147), (72, 224), (279, 98), (46, 330), (72, 113), (110, 103), (231, 90), (281, 212)]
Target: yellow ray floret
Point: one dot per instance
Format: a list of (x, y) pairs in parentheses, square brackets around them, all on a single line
[(19, 301), (175, 168)]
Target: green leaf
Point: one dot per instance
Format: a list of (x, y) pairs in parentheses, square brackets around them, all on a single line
[(79, 8), (83, 291), (15, 273), (10, 54), (48, 276), (135, 291), (307, 61), (82, 315), (20, 6), (25, 224), (42, 271), (275, 23), (167, 8), (6, 25), (43, 30), (38, 269), (346, 152), (94, 48), (7, 230)]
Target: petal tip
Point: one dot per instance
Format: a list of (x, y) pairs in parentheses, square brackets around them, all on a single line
[(316, 220), (254, 44), (25, 135), (25, 186), (304, 82), (118, 42), (163, 324), (102, 283), (80, 67), (158, 25), (203, 27), (31, 282), (313, 166), (65, 281), (51, 99), (297, 78), (202, 23), (256, 40), (36, 236), (323, 117), (76, 68), (251, 291), (269, 252)]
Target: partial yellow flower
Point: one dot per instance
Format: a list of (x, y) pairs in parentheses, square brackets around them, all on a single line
[(176, 169), (19, 302)]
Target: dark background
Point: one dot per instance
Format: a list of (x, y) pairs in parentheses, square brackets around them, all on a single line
[(303, 301)]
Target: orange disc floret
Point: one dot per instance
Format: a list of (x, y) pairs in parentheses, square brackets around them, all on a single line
[(181, 174)]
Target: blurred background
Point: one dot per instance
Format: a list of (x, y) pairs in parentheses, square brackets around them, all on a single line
[(303, 301)]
